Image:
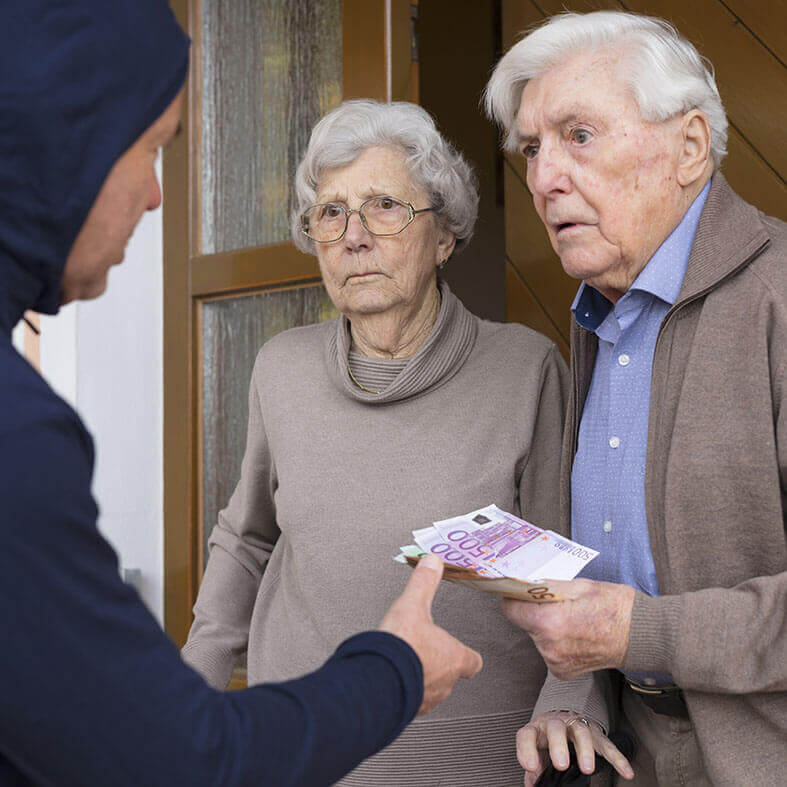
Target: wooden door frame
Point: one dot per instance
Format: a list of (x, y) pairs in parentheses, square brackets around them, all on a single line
[(374, 28)]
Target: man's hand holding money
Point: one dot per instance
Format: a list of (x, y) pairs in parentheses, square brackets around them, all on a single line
[(587, 631)]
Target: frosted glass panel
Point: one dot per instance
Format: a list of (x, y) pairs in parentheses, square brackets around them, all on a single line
[(233, 330), (270, 70)]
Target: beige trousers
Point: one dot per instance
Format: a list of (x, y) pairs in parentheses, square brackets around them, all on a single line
[(667, 751)]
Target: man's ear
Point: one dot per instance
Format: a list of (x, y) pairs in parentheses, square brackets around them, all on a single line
[(695, 152)]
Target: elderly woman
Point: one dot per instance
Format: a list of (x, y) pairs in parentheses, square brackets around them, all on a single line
[(405, 410)]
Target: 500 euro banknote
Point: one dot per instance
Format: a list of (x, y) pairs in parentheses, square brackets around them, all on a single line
[(497, 552)]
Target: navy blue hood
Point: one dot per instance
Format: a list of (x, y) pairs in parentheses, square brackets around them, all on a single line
[(80, 81)]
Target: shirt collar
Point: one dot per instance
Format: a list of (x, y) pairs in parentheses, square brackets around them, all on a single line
[(661, 277), (590, 307)]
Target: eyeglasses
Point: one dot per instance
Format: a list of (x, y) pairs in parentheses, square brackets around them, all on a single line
[(384, 215)]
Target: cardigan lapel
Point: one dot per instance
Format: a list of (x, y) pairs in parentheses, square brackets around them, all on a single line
[(729, 232)]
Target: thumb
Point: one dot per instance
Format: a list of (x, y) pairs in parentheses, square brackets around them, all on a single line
[(424, 582), (471, 662)]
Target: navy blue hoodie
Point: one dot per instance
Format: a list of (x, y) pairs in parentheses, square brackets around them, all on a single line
[(91, 690)]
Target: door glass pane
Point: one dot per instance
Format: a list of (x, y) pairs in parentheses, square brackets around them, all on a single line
[(270, 70), (233, 330)]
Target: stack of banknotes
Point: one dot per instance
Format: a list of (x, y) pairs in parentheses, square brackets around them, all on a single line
[(497, 552)]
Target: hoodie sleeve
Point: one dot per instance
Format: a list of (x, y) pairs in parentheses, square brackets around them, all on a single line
[(93, 691)]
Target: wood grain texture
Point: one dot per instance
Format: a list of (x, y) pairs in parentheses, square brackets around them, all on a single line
[(551, 7), (179, 423), (249, 269), (192, 118), (753, 179), (404, 74), (522, 306), (766, 19), (518, 16), (452, 80), (363, 49), (530, 252)]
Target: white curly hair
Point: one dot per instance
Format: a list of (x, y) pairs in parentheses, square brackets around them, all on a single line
[(665, 73), (342, 135)]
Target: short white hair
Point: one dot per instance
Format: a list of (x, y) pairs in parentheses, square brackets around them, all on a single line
[(342, 135), (665, 73)]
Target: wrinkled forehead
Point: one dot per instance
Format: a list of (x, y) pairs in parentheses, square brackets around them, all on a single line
[(589, 85), (375, 171)]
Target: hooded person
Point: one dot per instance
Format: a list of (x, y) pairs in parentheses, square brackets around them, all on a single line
[(92, 690)]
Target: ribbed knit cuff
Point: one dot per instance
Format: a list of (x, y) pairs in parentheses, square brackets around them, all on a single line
[(400, 655), (584, 695), (215, 666), (653, 635)]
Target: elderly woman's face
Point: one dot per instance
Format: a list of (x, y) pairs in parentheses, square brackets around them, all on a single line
[(365, 273), (603, 180)]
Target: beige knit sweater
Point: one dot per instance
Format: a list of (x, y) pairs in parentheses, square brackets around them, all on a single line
[(334, 480)]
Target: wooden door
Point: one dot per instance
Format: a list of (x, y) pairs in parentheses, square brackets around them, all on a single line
[(262, 73)]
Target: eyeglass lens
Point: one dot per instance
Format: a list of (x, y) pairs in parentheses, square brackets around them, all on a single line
[(380, 215)]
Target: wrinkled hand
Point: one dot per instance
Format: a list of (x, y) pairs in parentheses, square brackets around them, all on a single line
[(586, 632), (444, 658), (548, 735)]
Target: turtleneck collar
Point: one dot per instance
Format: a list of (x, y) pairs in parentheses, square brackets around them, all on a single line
[(438, 359)]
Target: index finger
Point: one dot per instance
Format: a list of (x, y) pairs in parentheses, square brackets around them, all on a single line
[(613, 755)]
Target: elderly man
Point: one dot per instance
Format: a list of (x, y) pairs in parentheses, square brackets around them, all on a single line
[(675, 451), (91, 690)]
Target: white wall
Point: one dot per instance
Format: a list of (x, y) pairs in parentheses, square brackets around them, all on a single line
[(59, 352), (18, 337), (105, 358)]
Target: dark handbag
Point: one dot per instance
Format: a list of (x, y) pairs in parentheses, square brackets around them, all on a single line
[(573, 777)]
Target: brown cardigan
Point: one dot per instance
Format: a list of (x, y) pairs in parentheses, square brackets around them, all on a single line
[(715, 494)]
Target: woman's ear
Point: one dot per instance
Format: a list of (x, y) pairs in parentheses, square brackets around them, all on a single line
[(695, 152), (445, 245)]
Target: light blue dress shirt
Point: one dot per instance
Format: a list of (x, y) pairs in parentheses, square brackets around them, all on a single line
[(608, 475)]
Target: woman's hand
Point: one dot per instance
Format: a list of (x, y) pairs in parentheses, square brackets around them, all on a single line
[(548, 735)]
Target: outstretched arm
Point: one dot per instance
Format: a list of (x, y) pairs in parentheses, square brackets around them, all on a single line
[(94, 693)]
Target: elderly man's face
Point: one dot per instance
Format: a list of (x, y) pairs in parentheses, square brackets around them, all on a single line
[(603, 180)]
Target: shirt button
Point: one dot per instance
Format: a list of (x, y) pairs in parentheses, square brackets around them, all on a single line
[(623, 359), (614, 442), (608, 526)]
